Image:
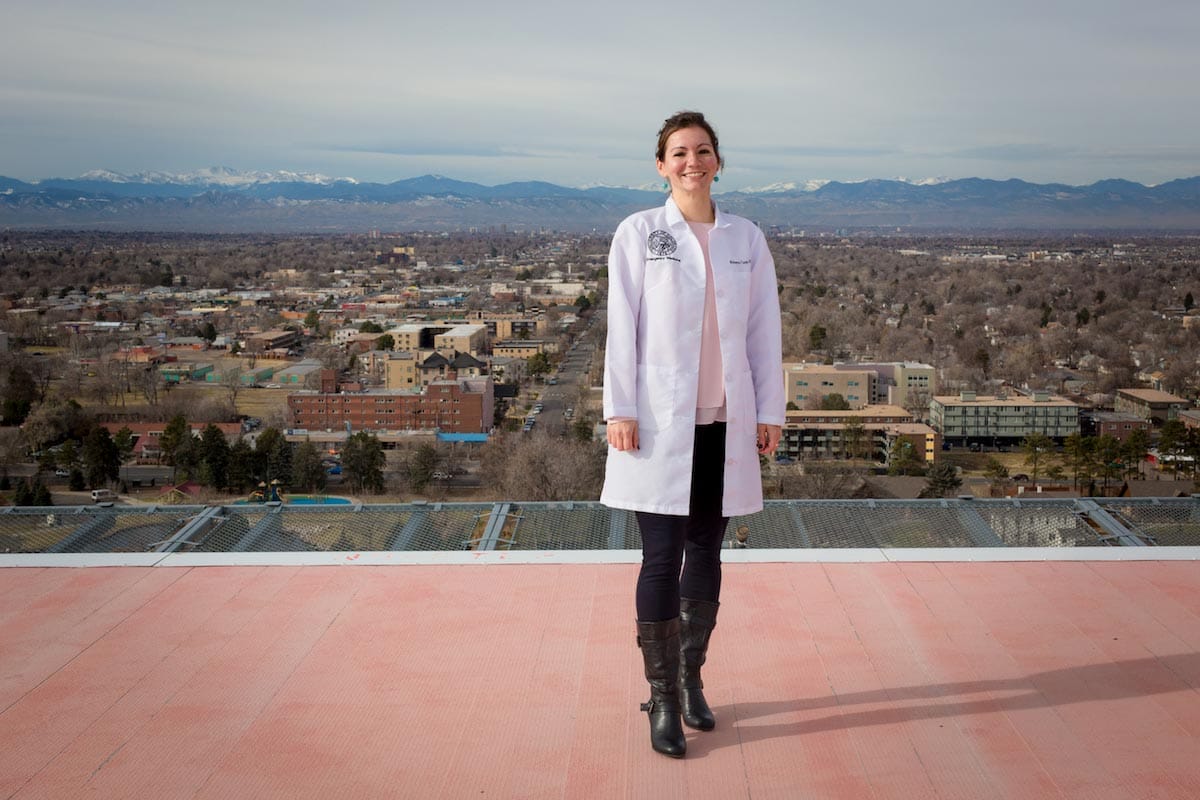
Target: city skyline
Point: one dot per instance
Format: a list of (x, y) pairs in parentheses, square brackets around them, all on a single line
[(1071, 94)]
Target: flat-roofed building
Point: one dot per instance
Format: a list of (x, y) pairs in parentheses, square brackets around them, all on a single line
[(1150, 404), (413, 336), (1112, 423), (969, 418), (858, 433), (502, 327), (808, 384), (458, 406), (896, 382), (877, 383), (271, 340), (400, 371), (518, 348), (462, 338), (297, 374)]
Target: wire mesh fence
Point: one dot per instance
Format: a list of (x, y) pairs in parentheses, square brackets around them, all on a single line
[(964, 523)]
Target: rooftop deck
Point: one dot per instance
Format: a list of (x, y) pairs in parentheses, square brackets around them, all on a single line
[(835, 673)]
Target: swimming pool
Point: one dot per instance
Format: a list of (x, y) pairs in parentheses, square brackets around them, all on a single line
[(303, 500), (316, 500)]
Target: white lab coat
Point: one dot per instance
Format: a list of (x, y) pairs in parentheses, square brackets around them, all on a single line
[(656, 283)]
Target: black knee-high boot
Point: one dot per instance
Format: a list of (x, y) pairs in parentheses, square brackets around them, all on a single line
[(697, 618), (660, 654)]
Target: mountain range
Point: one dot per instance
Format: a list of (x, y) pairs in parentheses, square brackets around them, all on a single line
[(220, 199)]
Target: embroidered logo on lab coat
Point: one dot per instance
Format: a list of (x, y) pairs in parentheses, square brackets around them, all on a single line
[(661, 243)]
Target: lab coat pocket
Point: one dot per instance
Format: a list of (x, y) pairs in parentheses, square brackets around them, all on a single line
[(662, 273), (656, 396)]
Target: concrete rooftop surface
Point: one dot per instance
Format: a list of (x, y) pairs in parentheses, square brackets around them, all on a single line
[(877, 679)]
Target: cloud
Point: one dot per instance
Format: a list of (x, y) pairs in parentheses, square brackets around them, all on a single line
[(415, 149), (1029, 151)]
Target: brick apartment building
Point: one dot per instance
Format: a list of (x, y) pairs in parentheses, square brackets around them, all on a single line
[(451, 406), (1112, 423)]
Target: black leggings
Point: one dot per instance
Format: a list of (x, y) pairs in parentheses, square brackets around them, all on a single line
[(666, 538)]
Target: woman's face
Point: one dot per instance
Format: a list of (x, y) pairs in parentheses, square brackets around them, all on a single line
[(690, 161)]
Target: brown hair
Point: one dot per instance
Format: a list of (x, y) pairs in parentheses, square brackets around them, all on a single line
[(679, 121)]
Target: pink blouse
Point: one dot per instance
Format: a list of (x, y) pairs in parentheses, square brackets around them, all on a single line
[(710, 396)]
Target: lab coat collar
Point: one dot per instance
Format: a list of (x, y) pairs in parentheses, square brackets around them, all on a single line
[(675, 216)]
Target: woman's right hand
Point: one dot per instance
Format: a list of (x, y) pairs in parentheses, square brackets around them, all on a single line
[(623, 434)]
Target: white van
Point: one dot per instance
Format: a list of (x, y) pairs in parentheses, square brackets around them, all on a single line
[(103, 495)]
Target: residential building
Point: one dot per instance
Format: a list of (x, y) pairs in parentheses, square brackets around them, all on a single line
[(272, 340), (969, 418), (523, 349), (807, 384), (883, 383), (462, 338), (833, 434), (1112, 423), (1150, 404), (458, 406)]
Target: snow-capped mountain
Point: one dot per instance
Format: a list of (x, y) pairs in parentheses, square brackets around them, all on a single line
[(224, 199), (786, 186), (214, 176)]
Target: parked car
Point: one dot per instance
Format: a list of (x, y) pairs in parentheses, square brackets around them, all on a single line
[(335, 469), (62, 473)]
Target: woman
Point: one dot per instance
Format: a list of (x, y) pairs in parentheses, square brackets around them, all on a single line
[(693, 393)]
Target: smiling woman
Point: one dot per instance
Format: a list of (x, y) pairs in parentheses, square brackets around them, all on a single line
[(693, 394)]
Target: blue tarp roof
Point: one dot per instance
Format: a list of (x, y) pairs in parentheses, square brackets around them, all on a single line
[(462, 437)]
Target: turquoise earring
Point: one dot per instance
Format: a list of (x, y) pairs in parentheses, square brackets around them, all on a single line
[(716, 178), (666, 186)]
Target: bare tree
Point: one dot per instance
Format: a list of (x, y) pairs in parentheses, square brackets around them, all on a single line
[(538, 467)]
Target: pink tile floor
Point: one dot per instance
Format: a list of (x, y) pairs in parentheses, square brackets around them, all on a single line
[(884, 680)]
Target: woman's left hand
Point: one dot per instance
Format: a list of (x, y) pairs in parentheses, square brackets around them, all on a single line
[(767, 438)]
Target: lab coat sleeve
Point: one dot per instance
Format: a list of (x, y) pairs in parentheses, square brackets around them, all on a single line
[(626, 270), (764, 336)]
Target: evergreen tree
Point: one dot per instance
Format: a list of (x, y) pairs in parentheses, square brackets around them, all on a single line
[(187, 459), (1172, 441), (273, 456), (363, 461), (1133, 451), (41, 494), (422, 466), (174, 434), (834, 402), (241, 466), (1080, 451), (1108, 456), (905, 460), (214, 455), (1037, 448), (101, 459), (124, 442), (308, 473), (942, 480)]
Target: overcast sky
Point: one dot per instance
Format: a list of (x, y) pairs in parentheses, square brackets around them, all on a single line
[(1065, 91)]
